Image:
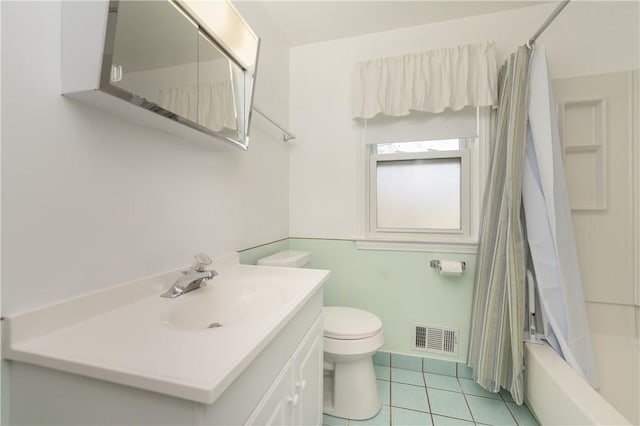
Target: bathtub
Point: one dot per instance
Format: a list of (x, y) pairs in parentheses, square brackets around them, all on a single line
[(557, 395)]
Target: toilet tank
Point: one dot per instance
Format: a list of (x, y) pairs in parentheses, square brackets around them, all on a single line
[(287, 258)]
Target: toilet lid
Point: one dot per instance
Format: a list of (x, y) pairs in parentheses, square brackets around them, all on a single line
[(349, 323)]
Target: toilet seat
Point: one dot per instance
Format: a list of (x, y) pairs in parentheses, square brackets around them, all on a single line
[(344, 323), (354, 347)]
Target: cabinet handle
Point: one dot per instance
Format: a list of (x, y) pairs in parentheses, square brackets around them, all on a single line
[(301, 384), (293, 400), (116, 73)]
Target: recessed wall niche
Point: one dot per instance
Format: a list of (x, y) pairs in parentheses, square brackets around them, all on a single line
[(584, 139)]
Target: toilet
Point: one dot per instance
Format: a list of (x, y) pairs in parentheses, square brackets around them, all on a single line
[(351, 337)]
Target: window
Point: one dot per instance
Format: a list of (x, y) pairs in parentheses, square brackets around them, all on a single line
[(426, 190), (418, 189), (429, 187)]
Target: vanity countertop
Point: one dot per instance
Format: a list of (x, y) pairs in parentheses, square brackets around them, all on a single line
[(128, 334)]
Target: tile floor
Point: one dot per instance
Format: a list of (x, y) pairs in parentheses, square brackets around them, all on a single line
[(435, 395)]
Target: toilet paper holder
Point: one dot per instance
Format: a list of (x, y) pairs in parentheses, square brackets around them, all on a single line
[(436, 264)]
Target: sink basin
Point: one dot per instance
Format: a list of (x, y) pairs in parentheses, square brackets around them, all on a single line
[(228, 304)]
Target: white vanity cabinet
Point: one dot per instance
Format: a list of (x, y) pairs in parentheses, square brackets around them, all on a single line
[(96, 360), (295, 398)]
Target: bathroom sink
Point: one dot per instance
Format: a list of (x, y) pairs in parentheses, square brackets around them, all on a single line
[(230, 303), (109, 334)]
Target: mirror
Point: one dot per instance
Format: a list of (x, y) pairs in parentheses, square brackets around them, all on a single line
[(218, 95), (160, 56)]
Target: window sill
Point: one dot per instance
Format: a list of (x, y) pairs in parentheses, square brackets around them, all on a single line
[(462, 246)]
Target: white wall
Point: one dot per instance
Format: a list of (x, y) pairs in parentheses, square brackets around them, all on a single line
[(598, 110), (91, 200), (326, 176)]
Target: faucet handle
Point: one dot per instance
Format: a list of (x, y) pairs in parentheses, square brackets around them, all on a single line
[(201, 261)]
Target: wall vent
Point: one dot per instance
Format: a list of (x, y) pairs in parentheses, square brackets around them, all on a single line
[(429, 338)]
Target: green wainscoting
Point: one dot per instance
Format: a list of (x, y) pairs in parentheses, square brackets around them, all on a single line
[(398, 286)]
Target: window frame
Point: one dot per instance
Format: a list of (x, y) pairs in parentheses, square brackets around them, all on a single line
[(478, 155), (374, 159)]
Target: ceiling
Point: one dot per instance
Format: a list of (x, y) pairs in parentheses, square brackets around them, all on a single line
[(311, 21)]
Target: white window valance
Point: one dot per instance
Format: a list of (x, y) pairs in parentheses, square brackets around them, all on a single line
[(428, 81)]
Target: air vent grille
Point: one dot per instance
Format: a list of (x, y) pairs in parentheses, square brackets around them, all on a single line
[(421, 337), (435, 339)]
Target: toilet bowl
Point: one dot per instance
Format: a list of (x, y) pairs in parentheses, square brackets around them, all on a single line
[(351, 337)]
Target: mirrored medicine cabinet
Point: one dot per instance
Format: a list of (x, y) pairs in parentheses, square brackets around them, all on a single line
[(191, 63)]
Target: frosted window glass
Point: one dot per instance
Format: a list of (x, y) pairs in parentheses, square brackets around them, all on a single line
[(419, 194)]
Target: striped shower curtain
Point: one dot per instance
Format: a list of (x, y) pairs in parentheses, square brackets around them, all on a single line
[(497, 322)]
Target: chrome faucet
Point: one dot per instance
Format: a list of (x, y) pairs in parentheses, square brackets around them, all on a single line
[(192, 279)]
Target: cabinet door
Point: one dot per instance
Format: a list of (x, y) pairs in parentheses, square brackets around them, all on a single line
[(308, 366), (220, 98), (275, 407), (154, 55), (295, 397)]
